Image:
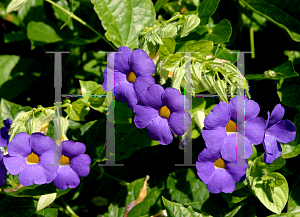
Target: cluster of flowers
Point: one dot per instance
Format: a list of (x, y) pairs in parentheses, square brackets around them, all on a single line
[(161, 111), (37, 159), (215, 163)]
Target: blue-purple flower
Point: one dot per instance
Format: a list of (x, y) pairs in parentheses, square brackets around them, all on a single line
[(4, 137), (2, 170), (72, 164), (276, 129), (217, 173), (220, 128), (162, 111), (132, 73), (32, 157)]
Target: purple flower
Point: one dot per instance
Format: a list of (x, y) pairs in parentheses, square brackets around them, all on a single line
[(217, 173), (72, 164), (4, 137), (162, 111), (30, 157), (282, 130), (132, 73), (220, 128), (2, 170)]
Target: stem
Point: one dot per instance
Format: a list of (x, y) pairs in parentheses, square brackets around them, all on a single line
[(120, 180), (82, 22), (252, 42), (170, 20)]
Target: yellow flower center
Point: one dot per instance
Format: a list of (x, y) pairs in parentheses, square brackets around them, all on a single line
[(164, 112), (131, 77), (64, 160), (220, 163), (32, 158), (231, 127)]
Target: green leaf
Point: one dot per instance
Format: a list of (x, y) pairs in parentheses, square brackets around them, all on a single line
[(273, 198), (286, 16), (11, 206), (61, 15), (97, 101), (81, 41), (206, 9), (15, 5), (48, 212), (156, 38), (220, 33), (123, 20), (132, 140), (225, 55), (172, 62), (14, 36), (176, 209), (33, 10), (237, 196), (87, 87), (275, 179), (203, 47), (289, 94), (285, 70), (45, 200), (294, 198), (78, 109), (7, 63), (159, 4), (123, 115), (192, 21), (167, 48), (129, 194), (177, 77), (41, 32), (260, 165), (185, 188), (10, 110)]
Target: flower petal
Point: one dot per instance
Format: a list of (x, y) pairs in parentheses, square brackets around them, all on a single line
[(254, 130), (207, 156), (215, 138), (40, 143), (218, 117), (144, 115), (119, 61), (141, 64), (7, 123), (81, 165), (2, 175), (4, 137), (272, 149), (284, 131), (124, 93), (221, 181), (179, 122), (142, 83), (229, 150), (49, 162), (66, 177), (159, 130), (205, 171), (14, 164), (72, 149), (152, 97), (238, 173), (32, 174), (118, 78), (176, 102), (19, 145), (276, 115), (250, 107)]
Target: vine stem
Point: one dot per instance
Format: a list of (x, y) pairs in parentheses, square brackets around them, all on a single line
[(252, 42), (82, 22)]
